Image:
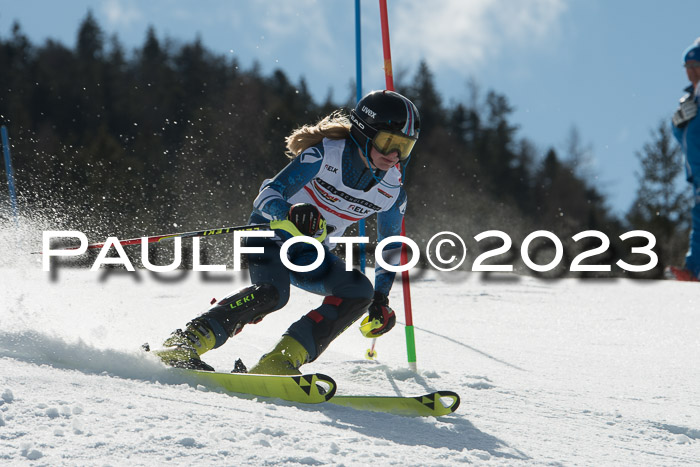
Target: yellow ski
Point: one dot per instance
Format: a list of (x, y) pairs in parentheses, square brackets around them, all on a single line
[(309, 389), (435, 404), (316, 388)]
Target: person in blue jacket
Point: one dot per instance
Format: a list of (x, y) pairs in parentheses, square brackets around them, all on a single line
[(686, 129), (343, 169)]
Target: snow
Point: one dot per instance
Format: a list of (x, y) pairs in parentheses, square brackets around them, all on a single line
[(566, 372)]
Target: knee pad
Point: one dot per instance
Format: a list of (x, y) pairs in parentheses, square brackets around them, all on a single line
[(356, 285), (248, 305)]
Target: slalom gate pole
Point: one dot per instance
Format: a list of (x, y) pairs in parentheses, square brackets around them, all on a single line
[(9, 172), (388, 73), (358, 79), (197, 233), (371, 354)]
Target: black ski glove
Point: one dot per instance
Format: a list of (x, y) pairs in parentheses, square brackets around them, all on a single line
[(306, 218), (379, 310)]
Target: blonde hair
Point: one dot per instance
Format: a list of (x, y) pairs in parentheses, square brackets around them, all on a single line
[(333, 126)]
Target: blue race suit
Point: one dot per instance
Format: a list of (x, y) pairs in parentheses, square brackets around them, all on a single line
[(330, 279), (688, 135)]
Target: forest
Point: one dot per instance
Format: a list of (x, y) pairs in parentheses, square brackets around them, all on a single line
[(172, 137)]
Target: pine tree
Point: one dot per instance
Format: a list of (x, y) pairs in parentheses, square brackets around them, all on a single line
[(662, 207)]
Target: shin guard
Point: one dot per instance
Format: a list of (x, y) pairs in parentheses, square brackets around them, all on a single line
[(321, 326), (249, 305)]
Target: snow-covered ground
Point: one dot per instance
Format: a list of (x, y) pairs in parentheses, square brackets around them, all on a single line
[(566, 372)]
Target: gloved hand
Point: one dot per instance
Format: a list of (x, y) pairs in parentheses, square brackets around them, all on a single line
[(687, 110), (380, 318), (306, 218), (303, 219)]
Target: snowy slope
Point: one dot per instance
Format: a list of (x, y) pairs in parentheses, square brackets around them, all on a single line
[(562, 372)]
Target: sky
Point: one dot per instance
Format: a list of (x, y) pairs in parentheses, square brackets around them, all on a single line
[(610, 70)]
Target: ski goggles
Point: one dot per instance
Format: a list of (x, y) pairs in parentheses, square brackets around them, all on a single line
[(387, 142)]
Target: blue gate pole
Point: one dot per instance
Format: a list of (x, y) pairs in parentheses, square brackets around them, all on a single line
[(9, 172), (358, 79)]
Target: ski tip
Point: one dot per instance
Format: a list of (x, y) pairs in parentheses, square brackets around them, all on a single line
[(325, 385), (449, 400)]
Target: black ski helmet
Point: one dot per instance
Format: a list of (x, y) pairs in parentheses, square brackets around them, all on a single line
[(387, 120)]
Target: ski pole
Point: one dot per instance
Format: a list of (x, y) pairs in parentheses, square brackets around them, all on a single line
[(196, 233), (371, 354)]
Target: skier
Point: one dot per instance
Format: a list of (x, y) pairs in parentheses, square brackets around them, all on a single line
[(343, 170), (686, 129)]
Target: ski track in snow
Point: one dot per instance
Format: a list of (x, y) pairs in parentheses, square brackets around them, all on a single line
[(566, 372)]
